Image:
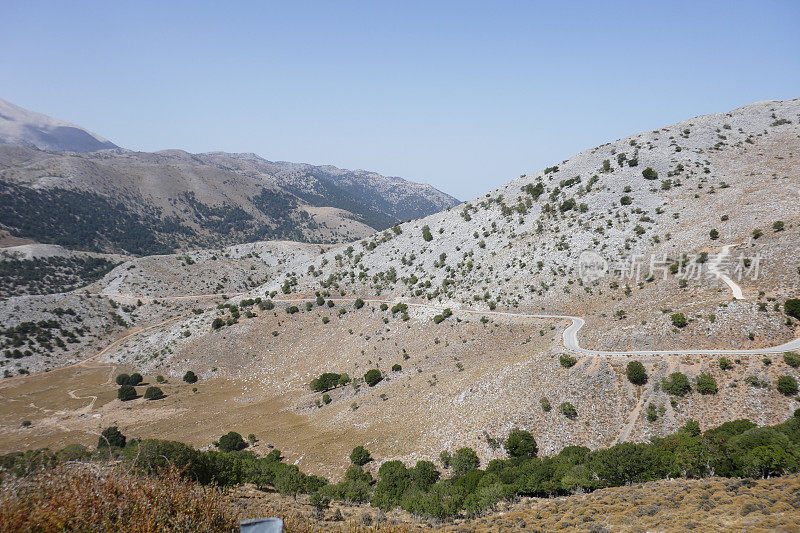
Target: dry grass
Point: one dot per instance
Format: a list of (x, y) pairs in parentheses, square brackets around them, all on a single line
[(94, 498)]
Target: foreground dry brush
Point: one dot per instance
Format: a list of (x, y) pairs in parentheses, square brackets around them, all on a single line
[(94, 498)]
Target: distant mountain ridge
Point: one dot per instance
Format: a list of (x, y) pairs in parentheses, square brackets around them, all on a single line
[(110, 199), (29, 128)]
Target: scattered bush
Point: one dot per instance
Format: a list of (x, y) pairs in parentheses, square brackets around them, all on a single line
[(714, 234), (153, 393), (360, 456), (787, 385), (464, 461), (126, 393), (568, 410), (625, 200), (567, 361), (521, 443), (373, 377), (123, 379), (545, 403), (359, 303), (231, 442), (792, 359), (292, 309), (135, 379), (111, 437), (676, 384), (706, 384), (396, 368), (725, 363), (792, 307), (777, 225), (426, 234), (679, 320), (328, 381), (326, 398), (190, 377), (636, 373), (649, 174)]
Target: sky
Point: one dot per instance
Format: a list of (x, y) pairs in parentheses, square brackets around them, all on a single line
[(462, 95)]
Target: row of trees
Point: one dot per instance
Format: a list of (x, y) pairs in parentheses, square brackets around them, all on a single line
[(734, 449)]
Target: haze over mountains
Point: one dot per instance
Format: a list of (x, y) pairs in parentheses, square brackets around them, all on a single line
[(118, 200)]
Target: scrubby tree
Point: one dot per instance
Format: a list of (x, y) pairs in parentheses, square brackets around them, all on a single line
[(636, 373), (649, 174), (714, 234), (464, 461), (792, 307), (521, 443), (679, 320), (111, 437), (792, 359), (373, 377), (396, 368), (360, 456), (190, 377), (153, 393), (568, 410), (135, 379), (676, 384), (126, 393), (787, 385), (706, 384), (424, 475), (567, 361), (231, 442), (123, 379), (359, 303)]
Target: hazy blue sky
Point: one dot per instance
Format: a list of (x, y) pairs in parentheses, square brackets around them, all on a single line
[(462, 95)]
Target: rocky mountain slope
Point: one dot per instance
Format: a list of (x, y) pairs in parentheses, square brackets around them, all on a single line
[(145, 203), (28, 128), (653, 210), (710, 194)]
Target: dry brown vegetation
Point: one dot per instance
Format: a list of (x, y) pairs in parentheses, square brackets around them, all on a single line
[(95, 498)]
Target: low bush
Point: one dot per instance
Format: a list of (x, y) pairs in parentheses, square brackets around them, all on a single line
[(231, 442), (679, 320), (567, 361), (787, 385), (373, 377), (636, 373), (190, 377), (792, 359), (126, 393), (521, 443), (706, 384), (153, 393), (792, 307), (676, 384), (568, 410), (360, 456), (111, 437)]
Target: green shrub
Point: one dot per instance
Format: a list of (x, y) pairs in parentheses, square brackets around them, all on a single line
[(567, 361), (123, 379), (373, 377), (266, 305), (153, 393), (396, 368), (568, 410), (326, 398), (111, 437), (649, 174), (792, 307), (360, 456), (679, 320), (426, 234), (792, 359), (625, 200), (714, 234), (545, 403), (464, 461), (777, 225), (328, 381), (217, 323), (359, 303), (292, 309), (231, 442), (126, 393), (676, 384), (787, 385), (725, 363), (636, 373), (190, 377), (706, 384), (521, 443)]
